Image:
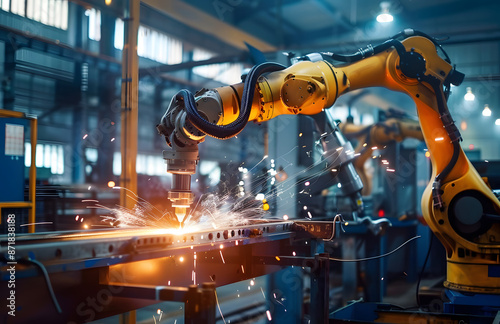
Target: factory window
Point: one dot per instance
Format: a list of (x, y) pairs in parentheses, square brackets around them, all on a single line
[(212, 170), (49, 156), (94, 23), (151, 44), (5, 5), (227, 73), (91, 154), (48, 12), (17, 7), (145, 164), (117, 163), (119, 34)]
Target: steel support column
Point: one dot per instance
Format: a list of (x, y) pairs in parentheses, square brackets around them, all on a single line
[(129, 114), (109, 108), (320, 288), (200, 304)]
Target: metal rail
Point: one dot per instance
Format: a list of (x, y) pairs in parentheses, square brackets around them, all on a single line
[(98, 273)]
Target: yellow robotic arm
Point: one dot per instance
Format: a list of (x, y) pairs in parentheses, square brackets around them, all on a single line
[(457, 205), (373, 137)]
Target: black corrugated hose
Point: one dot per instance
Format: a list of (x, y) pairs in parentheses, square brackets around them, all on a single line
[(234, 128)]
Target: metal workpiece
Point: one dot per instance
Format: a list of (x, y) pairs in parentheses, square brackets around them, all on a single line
[(70, 248), (100, 273)]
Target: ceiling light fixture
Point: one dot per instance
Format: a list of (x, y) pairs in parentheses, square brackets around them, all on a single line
[(469, 96), (486, 111), (497, 122), (385, 16)]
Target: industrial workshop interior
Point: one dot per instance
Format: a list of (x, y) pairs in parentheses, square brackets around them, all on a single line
[(231, 161)]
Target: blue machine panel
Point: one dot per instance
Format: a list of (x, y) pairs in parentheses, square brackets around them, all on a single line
[(12, 132), (494, 270)]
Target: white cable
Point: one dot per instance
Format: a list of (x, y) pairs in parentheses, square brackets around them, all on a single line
[(337, 217), (378, 256)]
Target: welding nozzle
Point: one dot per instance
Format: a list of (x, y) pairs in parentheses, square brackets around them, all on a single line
[(181, 213)]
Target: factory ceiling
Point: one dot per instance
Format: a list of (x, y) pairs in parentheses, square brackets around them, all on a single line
[(310, 24)]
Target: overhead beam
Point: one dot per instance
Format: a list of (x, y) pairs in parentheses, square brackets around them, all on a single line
[(335, 14), (350, 45), (244, 56), (207, 24)]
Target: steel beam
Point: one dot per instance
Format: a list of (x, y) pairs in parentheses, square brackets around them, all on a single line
[(193, 17)]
